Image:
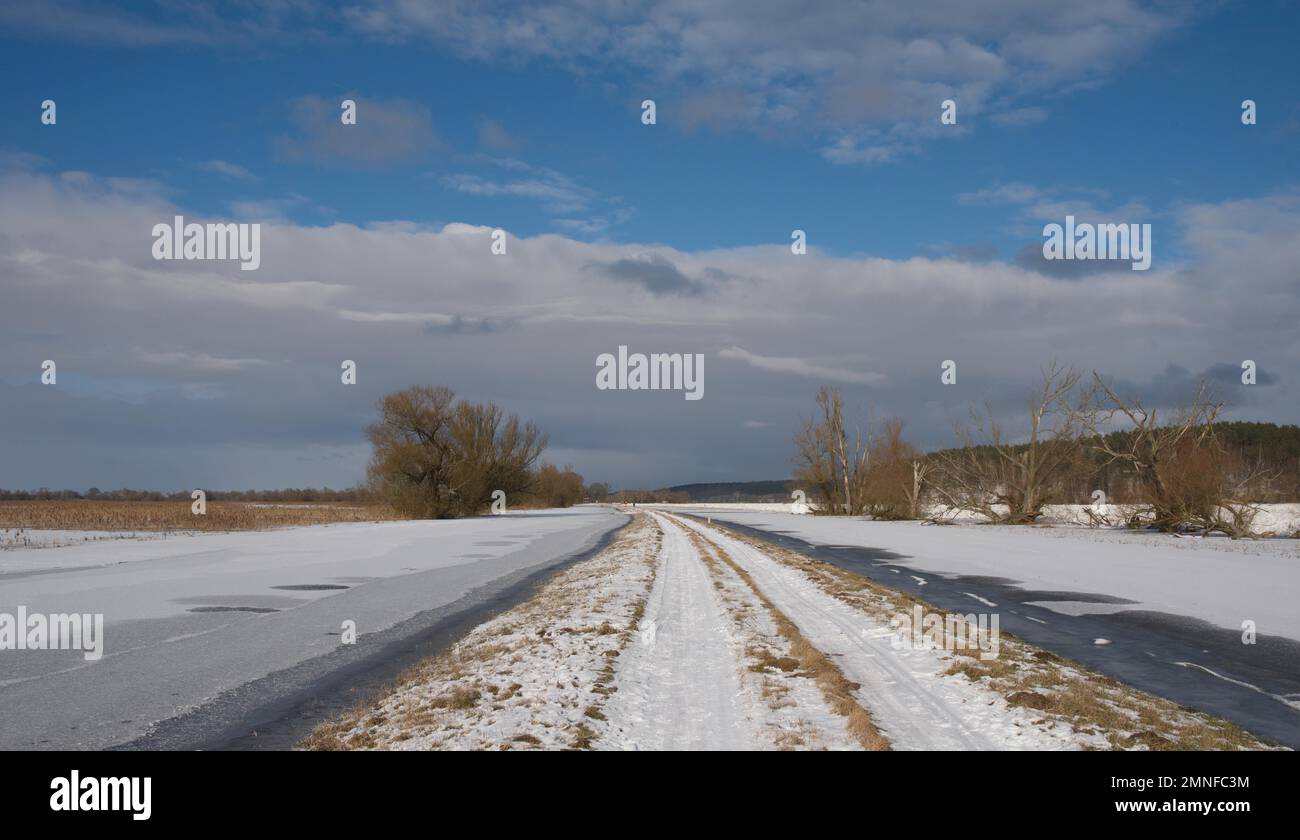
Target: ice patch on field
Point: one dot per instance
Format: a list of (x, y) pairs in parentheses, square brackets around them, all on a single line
[(1216, 579), (1077, 608)]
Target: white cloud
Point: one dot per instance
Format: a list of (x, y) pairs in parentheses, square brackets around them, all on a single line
[(823, 66), (414, 304), (1034, 205), (196, 361), (802, 367), (1010, 193), (558, 194), (227, 169), (276, 209), (850, 150), (833, 66)]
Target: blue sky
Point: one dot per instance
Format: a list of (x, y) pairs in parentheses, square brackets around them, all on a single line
[(527, 118), (1163, 130)]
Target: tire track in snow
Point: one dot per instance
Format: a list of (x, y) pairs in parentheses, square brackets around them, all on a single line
[(678, 681), (907, 698)]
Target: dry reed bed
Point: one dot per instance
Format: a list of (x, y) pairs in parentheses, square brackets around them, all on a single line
[(85, 515)]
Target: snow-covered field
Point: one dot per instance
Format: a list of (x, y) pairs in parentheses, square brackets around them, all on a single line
[(686, 636), (13, 538), (1216, 579), (187, 618), (1274, 519)]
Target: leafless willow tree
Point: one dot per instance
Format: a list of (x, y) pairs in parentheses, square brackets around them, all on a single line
[(1010, 480), (436, 457), (916, 492), (896, 476), (831, 463), (1186, 477), (863, 470)]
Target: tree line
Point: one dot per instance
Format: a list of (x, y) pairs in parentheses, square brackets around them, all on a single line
[(1078, 440)]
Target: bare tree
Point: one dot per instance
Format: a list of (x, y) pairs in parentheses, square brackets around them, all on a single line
[(1010, 482), (920, 483), (827, 463), (1186, 478)]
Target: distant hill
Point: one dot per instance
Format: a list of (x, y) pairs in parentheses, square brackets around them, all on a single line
[(737, 491)]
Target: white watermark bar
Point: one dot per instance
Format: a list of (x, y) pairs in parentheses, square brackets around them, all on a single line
[(56, 631), (212, 241), (653, 372), (1083, 241)]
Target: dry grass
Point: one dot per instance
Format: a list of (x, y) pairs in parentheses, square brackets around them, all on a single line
[(837, 689), (1062, 692), (337, 735), (85, 515)]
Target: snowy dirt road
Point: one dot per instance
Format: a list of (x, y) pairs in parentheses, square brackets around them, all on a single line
[(685, 635), (655, 644), (1162, 614), (914, 706)]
